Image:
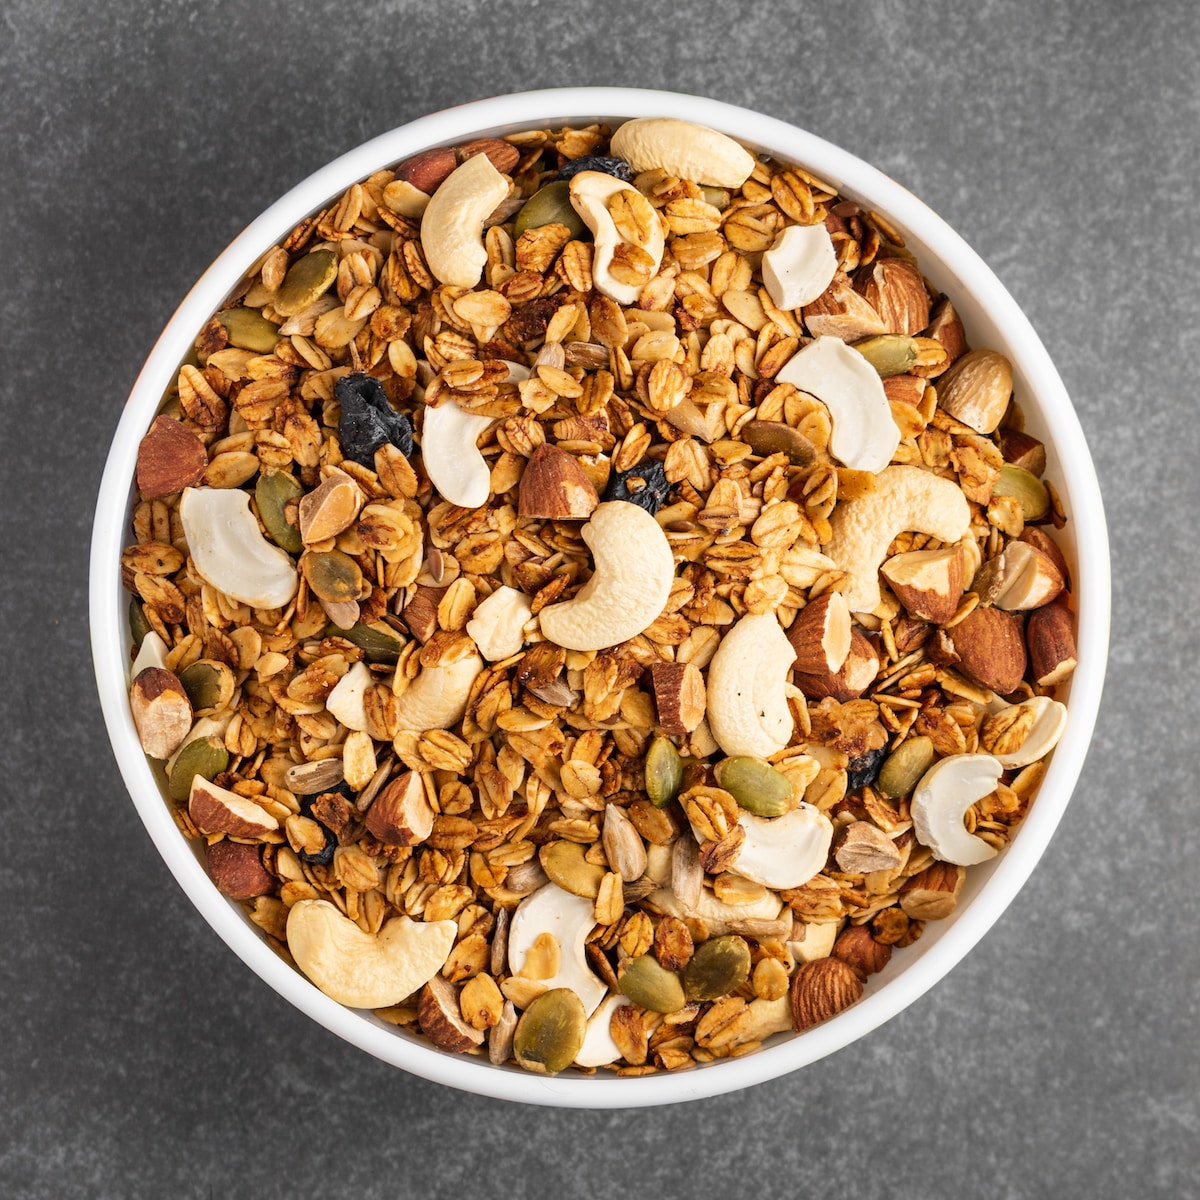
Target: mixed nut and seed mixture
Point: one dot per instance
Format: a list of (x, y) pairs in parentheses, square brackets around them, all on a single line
[(591, 602)]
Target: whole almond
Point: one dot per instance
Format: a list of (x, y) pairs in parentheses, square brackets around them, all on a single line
[(501, 154), (858, 949), (170, 458), (976, 389), (990, 648), (425, 171), (236, 868), (821, 989)]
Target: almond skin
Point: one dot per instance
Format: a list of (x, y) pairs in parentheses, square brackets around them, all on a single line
[(503, 155), (440, 1019), (895, 290), (161, 711), (851, 679), (821, 635), (170, 458), (928, 583), (679, 696), (554, 487), (991, 649), (236, 868), (821, 989), (425, 171), (401, 814), (1051, 637), (858, 949), (946, 327), (933, 894)]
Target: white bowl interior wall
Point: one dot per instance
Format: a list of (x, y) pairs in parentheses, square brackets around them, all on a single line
[(991, 317)]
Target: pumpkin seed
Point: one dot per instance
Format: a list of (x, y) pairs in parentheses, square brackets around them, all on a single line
[(774, 437), (651, 986), (902, 770), (550, 1032), (332, 575), (248, 329), (565, 864), (757, 786), (889, 353), (664, 771), (718, 197), (208, 684), (205, 756), (138, 625), (307, 280), (272, 494), (1026, 488), (549, 205), (718, 967), (376, 644)]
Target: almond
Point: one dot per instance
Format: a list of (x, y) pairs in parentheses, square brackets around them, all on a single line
[(990, 648), (928, 583), (401, 814), (1023, 450), (851, 679), (821, 635), (1051, 639), (821, 989), (162, 712), (976, 389), (858, 949), (1019, 577), (425, 171), (842, 313), (420, 614), (237, 870), (503, 155), (933, 894), (441, 1020), (946, 327), (895, 289), (905, 389), (679, 695), (215, 809), (861, 847), (555, 487), (170, 458), (1039, 539)]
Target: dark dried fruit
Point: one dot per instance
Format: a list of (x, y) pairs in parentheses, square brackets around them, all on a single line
[(368, 421), (864, 769), (617, 167), (309, 808), (644, 485)]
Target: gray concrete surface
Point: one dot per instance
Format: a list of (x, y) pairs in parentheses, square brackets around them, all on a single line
[(138, 1057)]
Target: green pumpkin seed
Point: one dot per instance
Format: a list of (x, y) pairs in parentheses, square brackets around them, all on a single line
[(307, 280), (716, 196), (248, 329), (273, 493), (903, 768), (1025, 487), (757, 786), (376, 644), (549, 205), (664, 771), (138, 625), (651, 986), (205, 756), (550, 1033), (889, 353), (718, 967), (332, 575), (565, 865), (208, 684)]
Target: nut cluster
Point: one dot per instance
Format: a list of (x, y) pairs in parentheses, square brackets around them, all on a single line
[(590, 599)]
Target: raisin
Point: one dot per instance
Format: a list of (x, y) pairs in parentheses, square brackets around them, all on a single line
[(368, 421), (316, 807), (865, 768), (595, 162), (644, 485)]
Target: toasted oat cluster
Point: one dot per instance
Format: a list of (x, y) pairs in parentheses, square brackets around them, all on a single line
[(591, 601)]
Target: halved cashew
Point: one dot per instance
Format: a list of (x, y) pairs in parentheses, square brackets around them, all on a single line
[(747, 699), (1049, 722), (437, 698), (817, 941), (767, 1017), (905, 498), (498, 624), (452, 225), (592, 194), (347, 701), (448, 447), (599, 1049), (941, 800), (229, 551), (683, 148), (799, 266), (865, 435), (358, 969), (629, 587), (718, 915), (569, 920), (784, 852)]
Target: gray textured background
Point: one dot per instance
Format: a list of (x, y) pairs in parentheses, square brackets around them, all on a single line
[(138, 1057)]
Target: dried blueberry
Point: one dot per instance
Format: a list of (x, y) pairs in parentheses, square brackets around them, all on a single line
[(368, 421), (595, 162), (864, 769), (324, 856), (644, 485)]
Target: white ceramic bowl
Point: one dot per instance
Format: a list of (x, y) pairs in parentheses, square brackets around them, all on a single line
[(992, 319)]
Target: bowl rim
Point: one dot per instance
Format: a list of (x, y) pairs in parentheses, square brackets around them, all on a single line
[(1073, 471)]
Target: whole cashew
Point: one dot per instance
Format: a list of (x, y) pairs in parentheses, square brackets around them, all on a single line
[(747, 699), (629, 587), (437, 698), (591, 195), (1049, 723), (941, 800), (569, 919), (452, 459), (452, 225), (864, 435), (685, 149), (230, 552), (905, 498), (358, 969)]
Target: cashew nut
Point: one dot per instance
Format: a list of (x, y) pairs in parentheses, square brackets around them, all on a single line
[(817, 941), (941, 800), (767, 1017), (229, 551), (151, 653), (452, 225), (437, 698), (1049, 722), (569, 919), (799, 266), (592, 195), (347, 701), (685, 149), (599, 1049), (629, 587), (718, 915), (358, 969), (905, 498), (786, 851), (747, 699), (865, 435), (452, 459), (498, 624)]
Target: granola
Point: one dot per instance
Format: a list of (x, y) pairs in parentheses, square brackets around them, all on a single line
[(705, 422)]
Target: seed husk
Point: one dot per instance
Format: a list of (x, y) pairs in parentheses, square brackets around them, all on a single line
[(902, 770), (208, 684), (664, 772), (313, 778), (376, 644), (272, 494), (205, 756), (757, 786), (332, 575), (651, 986), (565, 864), (248, 329), (718, 967), (138, 625), (306, 282), (889, 353), (1026, 488), (550, 205), (775, 437), (550, 1032)]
